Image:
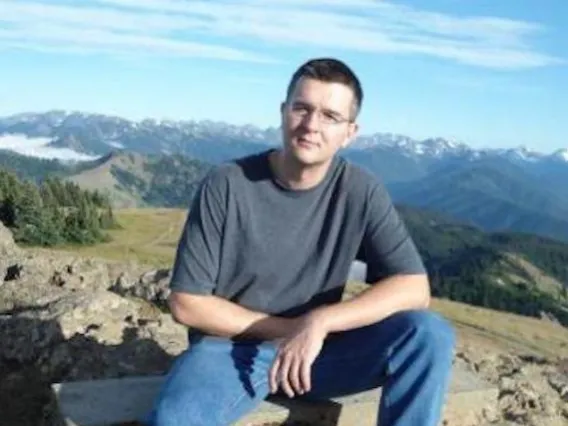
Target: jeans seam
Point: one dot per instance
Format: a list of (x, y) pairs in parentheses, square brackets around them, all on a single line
[(240, 397), (388, 373)]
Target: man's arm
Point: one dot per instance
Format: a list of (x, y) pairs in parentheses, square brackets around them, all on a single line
[(221, 317), (383, 298), (217, 316)]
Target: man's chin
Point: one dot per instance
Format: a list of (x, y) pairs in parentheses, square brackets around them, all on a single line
[(305, 158)]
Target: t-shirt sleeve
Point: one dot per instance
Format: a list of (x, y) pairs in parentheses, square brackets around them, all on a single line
[(387, 247), (196, 263)]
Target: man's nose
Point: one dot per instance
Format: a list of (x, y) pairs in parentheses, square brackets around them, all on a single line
[(311, 121)]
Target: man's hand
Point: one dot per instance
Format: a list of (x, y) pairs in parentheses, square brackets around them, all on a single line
[(291, 368)]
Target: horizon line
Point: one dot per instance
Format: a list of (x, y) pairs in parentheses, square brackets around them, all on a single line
[(370, 135)]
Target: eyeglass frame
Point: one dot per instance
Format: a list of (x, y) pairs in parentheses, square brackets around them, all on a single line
[(321, 117)]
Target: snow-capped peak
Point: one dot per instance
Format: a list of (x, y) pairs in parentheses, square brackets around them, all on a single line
[(561, 154), (521, 153)]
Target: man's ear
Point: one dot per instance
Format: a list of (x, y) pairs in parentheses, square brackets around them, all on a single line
[(352, 132)]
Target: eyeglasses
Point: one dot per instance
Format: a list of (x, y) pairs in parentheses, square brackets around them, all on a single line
[(328, 118)]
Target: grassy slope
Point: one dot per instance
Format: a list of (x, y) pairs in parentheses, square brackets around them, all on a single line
[(151, 235), (100, 178), (498, 331), (148, 235)]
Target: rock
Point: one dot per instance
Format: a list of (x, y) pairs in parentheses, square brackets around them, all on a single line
[(13, 272), (564, 411), (491, 414), (47, 278), (86, 274), (57, 279), (7, 244), (508, 365), (59, 321), (101, 319), (559, 382), (519, 401), (534, 359), (563, 365), (152, 286), (100, 314), (18, 296), (25, 339), (526, 383)]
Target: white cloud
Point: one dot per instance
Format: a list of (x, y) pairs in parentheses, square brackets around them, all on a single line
[(37, 147), (174, 26)]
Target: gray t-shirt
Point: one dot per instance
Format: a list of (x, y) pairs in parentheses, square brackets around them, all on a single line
[(282, 251)]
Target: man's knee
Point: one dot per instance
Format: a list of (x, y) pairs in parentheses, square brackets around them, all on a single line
[(429, 330), (423, 328)]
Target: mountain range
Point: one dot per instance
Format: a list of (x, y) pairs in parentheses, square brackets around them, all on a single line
[(495, 189)]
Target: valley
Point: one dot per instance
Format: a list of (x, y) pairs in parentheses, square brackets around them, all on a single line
[(153, 163)]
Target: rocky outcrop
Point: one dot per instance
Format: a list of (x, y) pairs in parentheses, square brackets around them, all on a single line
[(151, 286), (532, 389), (65, 318)]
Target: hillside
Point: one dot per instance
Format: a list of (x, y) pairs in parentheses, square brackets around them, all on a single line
[(514, 272), (136, 180), (31, 168), (491, 196)]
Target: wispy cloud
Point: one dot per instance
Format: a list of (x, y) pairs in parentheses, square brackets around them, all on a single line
[(174, 26)]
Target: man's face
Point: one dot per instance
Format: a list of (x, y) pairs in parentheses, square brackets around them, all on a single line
[(316, 120)]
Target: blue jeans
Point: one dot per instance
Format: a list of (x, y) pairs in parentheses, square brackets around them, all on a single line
[(409, 354)]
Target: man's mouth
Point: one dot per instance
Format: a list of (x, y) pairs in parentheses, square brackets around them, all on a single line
[(306, 143)]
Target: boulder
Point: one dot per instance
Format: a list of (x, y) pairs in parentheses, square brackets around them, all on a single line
[(7, 244), (152, 286)]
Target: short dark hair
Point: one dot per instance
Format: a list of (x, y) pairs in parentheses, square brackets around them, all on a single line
[(329, 70)]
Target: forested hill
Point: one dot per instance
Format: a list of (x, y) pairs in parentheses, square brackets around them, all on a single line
[(515, 272), (136, 180), (31, 168), (52, 212), (127, 179)]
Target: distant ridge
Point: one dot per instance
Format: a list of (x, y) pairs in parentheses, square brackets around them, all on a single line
[(135, 180)]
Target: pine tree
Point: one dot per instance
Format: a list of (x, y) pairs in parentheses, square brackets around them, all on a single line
[(29, 218)]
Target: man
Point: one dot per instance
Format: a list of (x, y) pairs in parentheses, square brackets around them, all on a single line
[(262, 263)]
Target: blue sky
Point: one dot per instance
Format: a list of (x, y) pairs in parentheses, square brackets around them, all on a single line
[(484, 72)]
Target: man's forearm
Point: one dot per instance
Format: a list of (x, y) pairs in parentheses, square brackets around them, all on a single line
[(220, 317), (380, 300), (217, 316)]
